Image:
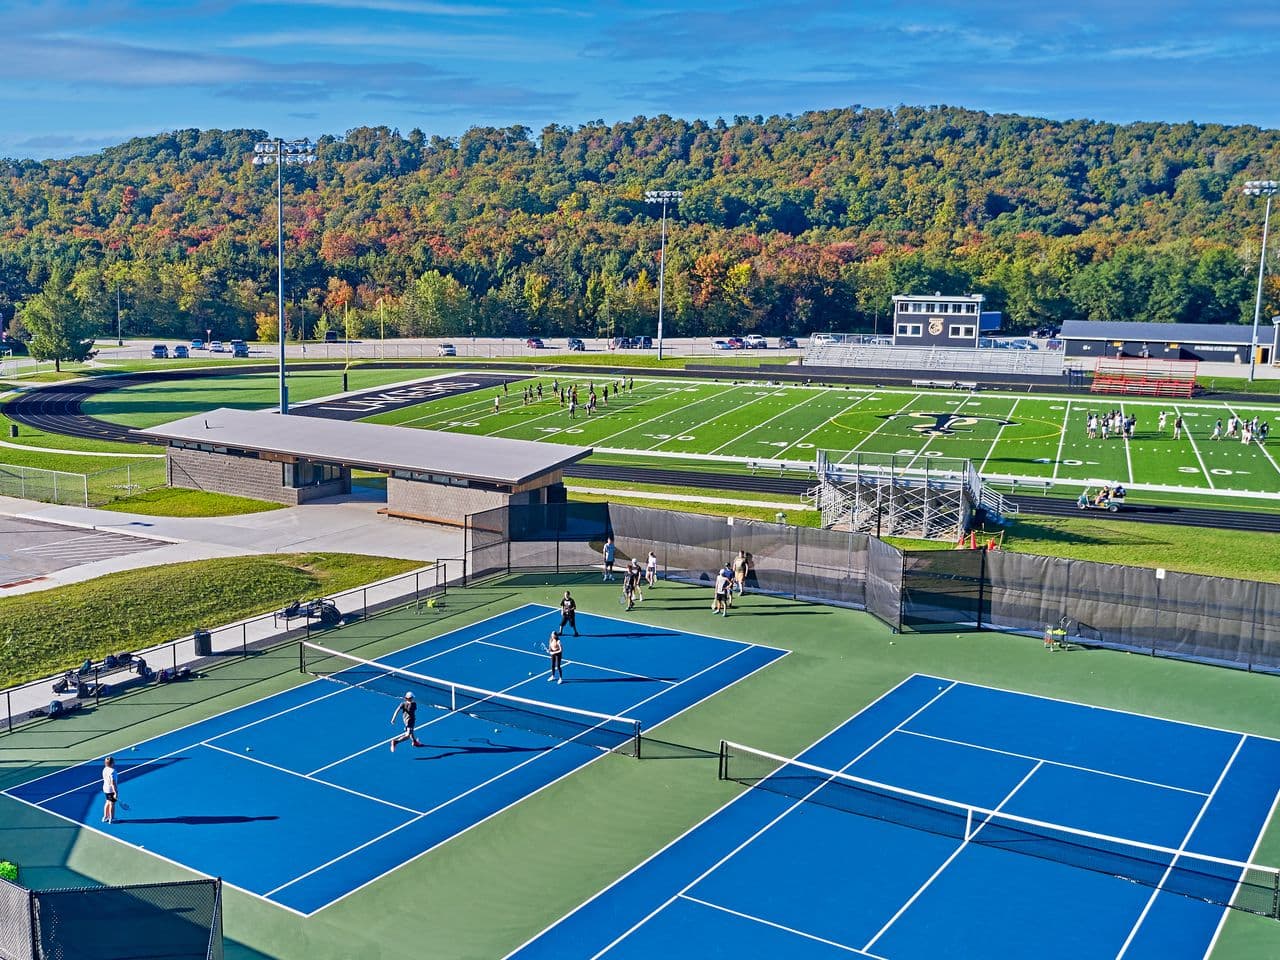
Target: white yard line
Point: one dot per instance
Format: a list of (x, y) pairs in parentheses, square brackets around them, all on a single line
[(992, 448), (883, 423), (1128, 454), (831, 419), (1062, 439), (742, 436), (928, 440), (665, 413), (1194, 449), (1263, 447), (1204, 808)]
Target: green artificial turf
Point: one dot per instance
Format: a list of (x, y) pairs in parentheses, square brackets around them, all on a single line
[(48, 631)]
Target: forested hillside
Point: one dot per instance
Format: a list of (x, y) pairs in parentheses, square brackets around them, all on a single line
[(788, 224)]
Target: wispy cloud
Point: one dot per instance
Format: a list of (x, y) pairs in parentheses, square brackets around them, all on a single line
[(426, 9), (439, 44)]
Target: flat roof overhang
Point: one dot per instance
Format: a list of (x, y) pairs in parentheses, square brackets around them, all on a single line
[(373, 446)]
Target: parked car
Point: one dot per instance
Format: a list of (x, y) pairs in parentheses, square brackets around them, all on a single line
[(215, 346), (644, 343), (239, 348), (181, 353), (823, 339), (620, 343), (576, 344), (755, 342), (721, 345), (446, 350), (197, 344), (159, 352), (534, 343), (787, 343), (331, 336), (735, 343)]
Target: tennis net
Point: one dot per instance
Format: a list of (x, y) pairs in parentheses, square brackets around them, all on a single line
[(1244, 886), (605, 732)]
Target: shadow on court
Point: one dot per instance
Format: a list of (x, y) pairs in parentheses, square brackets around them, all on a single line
[(195, 821)]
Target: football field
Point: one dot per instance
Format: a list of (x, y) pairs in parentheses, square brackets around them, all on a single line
[(1027, 438)]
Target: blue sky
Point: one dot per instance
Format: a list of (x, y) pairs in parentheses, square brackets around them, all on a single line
[(76, 75)]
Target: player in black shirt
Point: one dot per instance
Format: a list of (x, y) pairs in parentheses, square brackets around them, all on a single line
[(568, 614), (409, 708)]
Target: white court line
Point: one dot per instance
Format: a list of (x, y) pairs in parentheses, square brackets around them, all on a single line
[(554, 747), (580, 663), (1055, 763), (746, 433), (778, 926), (999, 433), (947, 862), (1194, 449), (709, 817), (1253, 853), (1062, 439), (306, 776), (768, 826), (831, 419), (1116, 710), (1204, 808), (245, 726)]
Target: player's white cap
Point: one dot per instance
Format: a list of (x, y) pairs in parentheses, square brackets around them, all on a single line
[(409, 695)]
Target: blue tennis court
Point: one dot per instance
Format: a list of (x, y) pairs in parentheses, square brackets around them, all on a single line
[(296, 798), (868, 862)]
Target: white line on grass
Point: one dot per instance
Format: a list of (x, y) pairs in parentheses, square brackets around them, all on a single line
[(946, 863), (1194, 449), (831, 419), (1062, 439), (1204, 808), (1263, 447), (662, 415), (746, 433), (992, 448), (768, 826), (883, 423), (1124, 436)]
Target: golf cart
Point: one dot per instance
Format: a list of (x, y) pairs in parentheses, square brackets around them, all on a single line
[(1110, 497)]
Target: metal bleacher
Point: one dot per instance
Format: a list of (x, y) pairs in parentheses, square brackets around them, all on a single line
[(851, 350)]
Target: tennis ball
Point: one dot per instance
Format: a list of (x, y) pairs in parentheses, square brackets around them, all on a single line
[(248, 749), (496, 730)]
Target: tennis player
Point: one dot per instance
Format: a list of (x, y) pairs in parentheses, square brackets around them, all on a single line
[(608, 554), (740, 567), (568, 614), (651, 569), (557, 653), (110, 792), (721, 603), (631, 584), (408, 708)]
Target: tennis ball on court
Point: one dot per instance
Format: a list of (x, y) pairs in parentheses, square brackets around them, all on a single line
[(496, 730), (892, 642), (248, 749)]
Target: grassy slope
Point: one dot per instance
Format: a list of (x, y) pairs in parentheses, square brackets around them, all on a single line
[(177, 502), (43, 633)]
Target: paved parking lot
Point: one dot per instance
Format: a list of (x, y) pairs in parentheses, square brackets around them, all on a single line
[(31, 549)]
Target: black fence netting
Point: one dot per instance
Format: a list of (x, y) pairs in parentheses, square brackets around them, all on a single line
[(17, 930), (943, 588), (1209, 619), (884, 582), (151, 921)]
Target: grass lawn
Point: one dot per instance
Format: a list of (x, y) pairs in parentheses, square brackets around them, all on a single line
[(176, 502), (47, 632)]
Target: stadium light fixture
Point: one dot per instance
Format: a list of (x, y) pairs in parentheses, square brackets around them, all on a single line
[(278, 153), (1268, 189), (663, 197)]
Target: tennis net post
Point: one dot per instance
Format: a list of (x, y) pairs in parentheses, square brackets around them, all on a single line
[(606, 732), (1250, 887)]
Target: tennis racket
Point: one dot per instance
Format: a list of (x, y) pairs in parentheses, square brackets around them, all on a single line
[(541, 645), (622, 599)]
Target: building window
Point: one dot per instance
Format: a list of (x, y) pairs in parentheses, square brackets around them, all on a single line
[(961, 331), (904, 307), (970, 308), (909, 329)]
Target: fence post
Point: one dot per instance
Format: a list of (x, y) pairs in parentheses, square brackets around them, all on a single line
[(982, 582), (364, 600), (8, 709), (244, 639), (795, 568)]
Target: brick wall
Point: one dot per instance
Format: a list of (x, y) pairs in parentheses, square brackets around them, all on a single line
[(439, 502), (243, 477)]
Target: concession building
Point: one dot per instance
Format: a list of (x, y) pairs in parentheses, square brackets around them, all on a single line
[(431, 475)]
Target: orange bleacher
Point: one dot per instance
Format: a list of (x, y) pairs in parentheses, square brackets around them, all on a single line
[(1145, 378)]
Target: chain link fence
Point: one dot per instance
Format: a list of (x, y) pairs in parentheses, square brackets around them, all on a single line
[(82, 489)]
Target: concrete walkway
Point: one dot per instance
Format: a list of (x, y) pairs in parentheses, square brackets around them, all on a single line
[(336, 525)]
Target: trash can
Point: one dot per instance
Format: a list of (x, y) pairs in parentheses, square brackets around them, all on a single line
[(203, 641)]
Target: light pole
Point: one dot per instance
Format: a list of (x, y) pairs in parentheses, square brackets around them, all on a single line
[(382, 329), (1268, 189), (279, 152), (663, 197), (119, 335)]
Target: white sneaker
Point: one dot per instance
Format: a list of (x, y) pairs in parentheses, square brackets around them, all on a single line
[(549, 679), (561, 680)]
